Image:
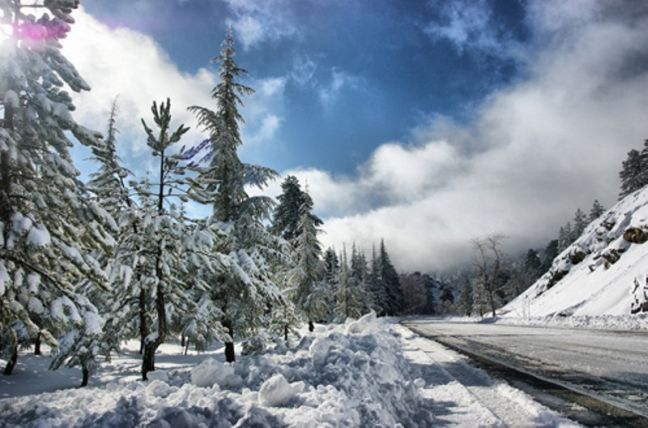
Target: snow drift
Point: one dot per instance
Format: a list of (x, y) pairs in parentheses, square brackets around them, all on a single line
[(354, 374), (603, 273)]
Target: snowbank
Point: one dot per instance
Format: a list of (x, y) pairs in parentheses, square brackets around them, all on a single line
[(596, 275), (346, 375)]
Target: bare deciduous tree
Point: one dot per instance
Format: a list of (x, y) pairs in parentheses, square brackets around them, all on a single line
[(490, 258)]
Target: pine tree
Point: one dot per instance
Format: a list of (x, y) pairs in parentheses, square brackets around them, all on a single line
[(286, 217), (532, 262), (596, 211), (376, 285), (633, 175), (108, 183), (307, 275), (360, 276), (331, 272), (565, 236), (168, 264), (112, 193), (247, 290), (549, 254), (580, 223), (349, 299), (49, 229), (391, 282)]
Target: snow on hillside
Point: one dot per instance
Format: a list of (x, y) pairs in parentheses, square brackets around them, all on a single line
[(353, 374), (604, 273)]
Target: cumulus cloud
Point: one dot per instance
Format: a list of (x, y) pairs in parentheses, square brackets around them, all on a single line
[(120, 61), (535, 151)]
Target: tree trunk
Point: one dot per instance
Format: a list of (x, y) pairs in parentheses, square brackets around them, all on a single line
[(37, 345), (86, 376), (148, 360), (186, 349), (230, 353), (182, 340), (12, 361), (143, 327), (311, 326), (286, 332)]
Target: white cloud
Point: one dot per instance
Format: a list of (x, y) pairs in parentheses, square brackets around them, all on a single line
[(257, 21), (470, 25), (303, 70), (329, 93), (132, 65), (535, 152)]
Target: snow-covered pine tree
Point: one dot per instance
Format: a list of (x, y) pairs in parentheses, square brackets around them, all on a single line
[(109, 185), (596, 211), (550, 252), (643, 175), (286, 217), (306, 278), (632, 173), (580, 223), (48, 227), (246, 291), (376, 285), (391, 282), (349, 299), (359, 277), (167, 231), (565, 236), (331, 270)]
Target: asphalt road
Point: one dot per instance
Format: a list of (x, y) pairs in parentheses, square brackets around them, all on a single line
[(607, 364)]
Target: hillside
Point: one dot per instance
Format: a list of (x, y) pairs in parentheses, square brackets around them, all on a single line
[(605, 272)]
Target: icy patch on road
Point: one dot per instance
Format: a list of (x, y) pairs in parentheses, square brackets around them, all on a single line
[(353, 374)]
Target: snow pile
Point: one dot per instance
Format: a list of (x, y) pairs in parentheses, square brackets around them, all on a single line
[(599, 273), (353, 374)]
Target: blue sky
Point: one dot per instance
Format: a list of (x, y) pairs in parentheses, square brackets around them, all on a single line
[(427, 123), (384, 70)]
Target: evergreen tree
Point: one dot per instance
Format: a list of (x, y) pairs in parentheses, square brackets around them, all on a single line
[(532, 262), (633, 175), (165, 229), (391, 282), (331, 272), (108, 183), (306, 277), (349, 299), (565, 237), (596, 211), (549, 254), (376, 285), (247, 290), (580, 223), (49, 230), (286, 217)]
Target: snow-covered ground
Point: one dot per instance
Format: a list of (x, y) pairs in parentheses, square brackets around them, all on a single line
[(597, 274), (363, 373)]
